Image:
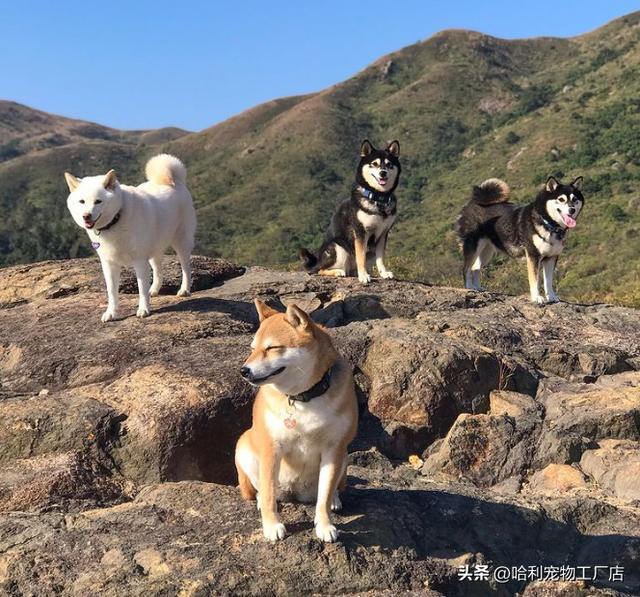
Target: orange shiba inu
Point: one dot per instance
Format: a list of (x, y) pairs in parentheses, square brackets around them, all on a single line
[(304, 416)]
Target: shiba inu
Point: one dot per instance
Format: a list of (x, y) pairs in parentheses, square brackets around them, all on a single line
[(489, 222), (360, 227), (304, 416), (134, 226)]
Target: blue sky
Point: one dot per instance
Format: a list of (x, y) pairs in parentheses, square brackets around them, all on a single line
[(143, 64)]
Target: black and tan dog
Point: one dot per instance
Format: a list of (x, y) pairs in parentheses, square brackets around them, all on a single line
[(490, 222), (361, 224)]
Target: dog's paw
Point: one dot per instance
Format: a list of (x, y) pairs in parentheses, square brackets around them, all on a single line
[(183, 292), (386, 274), (142, 312), (327, 533), (538, 300), (553, 298), (340, 273), (154, 291), (364, 278), (336, 503), (108, 315), (275, 531)]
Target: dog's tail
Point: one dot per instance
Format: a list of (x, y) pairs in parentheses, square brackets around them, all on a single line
[(309, 260), (166, 169), (490, 192)]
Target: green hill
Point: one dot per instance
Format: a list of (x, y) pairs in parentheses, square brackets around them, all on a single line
[(465, 106)]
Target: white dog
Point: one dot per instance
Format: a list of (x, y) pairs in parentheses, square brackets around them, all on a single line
[(134, 225)]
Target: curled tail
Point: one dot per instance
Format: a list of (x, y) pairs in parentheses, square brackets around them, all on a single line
[(490, 192), (309, 260), (165, 169)]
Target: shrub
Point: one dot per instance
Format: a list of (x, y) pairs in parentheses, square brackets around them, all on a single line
[(604, 56), (512, 138), (616, 213), (534, 97)]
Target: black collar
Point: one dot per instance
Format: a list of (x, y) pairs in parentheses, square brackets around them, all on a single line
[(382, 198), (553, 227), (315, 390), (112, 223)]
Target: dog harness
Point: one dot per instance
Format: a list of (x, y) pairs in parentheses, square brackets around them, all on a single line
[(112, 223), (315, 390)]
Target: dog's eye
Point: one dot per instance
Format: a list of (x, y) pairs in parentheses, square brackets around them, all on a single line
[(81, 200), (562, 199), (268, 348), (98, 200), (390, 166)]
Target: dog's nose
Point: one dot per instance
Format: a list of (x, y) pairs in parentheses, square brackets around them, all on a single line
[(572, 210), (245, 372), (86, 216), (383, 174)]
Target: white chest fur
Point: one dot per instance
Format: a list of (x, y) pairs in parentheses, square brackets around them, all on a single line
[(375, 224), (548, 244), (305, 424)]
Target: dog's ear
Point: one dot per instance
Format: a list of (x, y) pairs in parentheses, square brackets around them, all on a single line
[(297, 317), (577, 183), (552, 184), (263, 310), (110, 180), (394, 148), (72, 182), (366, 148)]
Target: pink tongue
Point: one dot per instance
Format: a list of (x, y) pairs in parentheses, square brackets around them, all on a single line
[(569, 222)]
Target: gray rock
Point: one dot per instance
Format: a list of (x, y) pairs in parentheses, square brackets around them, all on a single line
[(577, 414), (98, 422), (615, 466)]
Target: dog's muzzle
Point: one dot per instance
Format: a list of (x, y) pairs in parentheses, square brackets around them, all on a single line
[(248, 375)]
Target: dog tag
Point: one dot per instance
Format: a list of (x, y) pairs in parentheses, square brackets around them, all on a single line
[(290, 423), (95, 245)]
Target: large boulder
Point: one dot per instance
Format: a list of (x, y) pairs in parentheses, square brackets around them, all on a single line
[(577, 414), (108, 433), (484, 449), (66, 481), (557, 478), (420, 382), (615, 466), (54, 279)]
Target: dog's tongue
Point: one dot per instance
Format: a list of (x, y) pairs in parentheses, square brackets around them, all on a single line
[(569, 222)]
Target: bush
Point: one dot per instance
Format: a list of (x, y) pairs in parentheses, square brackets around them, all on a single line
[(606, 55), (533, 98), (616, 213), (10, 150), (512, 138)]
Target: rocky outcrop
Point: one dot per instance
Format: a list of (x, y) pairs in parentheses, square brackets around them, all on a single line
[(522, 423), (615, 466)]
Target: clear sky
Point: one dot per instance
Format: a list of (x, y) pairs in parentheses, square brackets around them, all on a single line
[(143, 64)]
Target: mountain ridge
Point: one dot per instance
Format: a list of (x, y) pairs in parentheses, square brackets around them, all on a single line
[(464, 105)]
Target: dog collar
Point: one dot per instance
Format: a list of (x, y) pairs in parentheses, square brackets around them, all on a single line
[(112, 223), (384, 198), (553, 227), (315, 390)]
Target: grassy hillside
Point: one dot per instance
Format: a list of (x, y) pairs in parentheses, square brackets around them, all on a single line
[(465, 106)]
